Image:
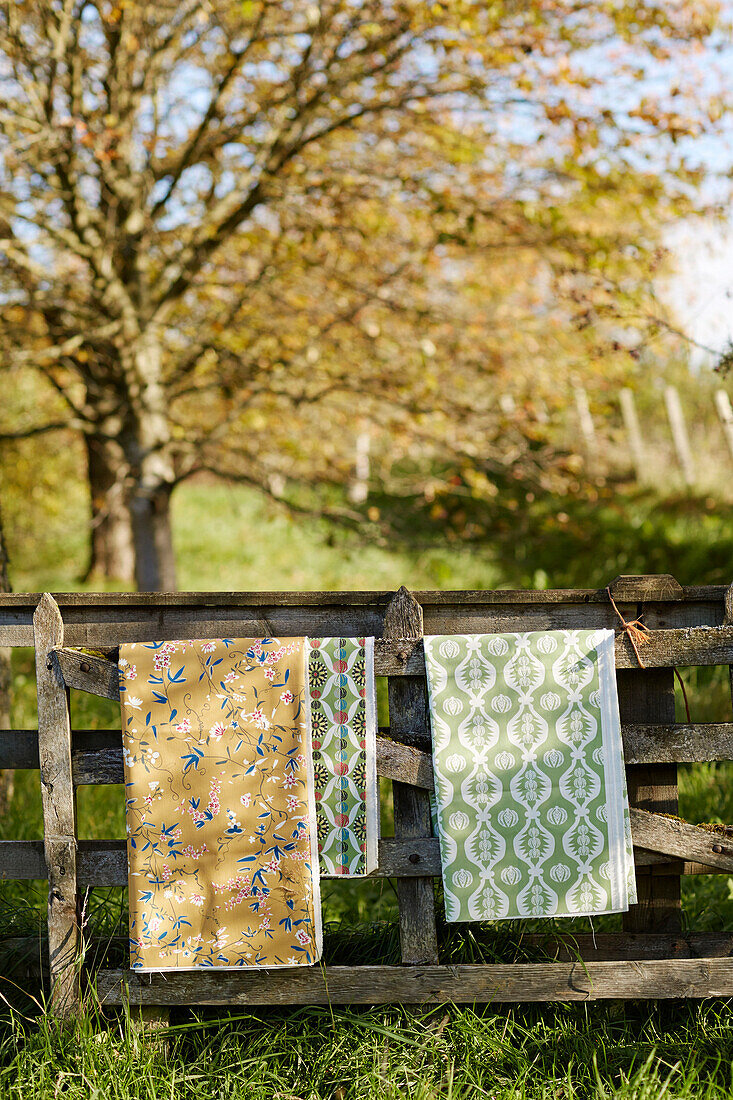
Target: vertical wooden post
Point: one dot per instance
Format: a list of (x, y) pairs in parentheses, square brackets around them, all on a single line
[(728, 621), (679, 434), (725, 413), (633, 432), (359, 488), (408, 711), (59, 812), (585, 420), (647, 695)]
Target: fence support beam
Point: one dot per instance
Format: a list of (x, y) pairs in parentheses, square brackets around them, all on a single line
[(408, 711), (59, 812)]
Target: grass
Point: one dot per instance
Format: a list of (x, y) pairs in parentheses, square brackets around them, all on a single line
[(226, 538)]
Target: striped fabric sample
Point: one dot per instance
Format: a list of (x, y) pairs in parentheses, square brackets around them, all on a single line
[(344, 724)]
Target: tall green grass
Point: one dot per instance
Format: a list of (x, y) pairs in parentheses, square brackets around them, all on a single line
[(227, 538)]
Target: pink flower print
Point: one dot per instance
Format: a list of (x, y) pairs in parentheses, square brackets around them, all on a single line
[(183, 727), (168, 648), (166, 872), (293, 803), (270, 674), (154, 923), (208, 647), (272, 866), (302, 936), (217, 731), (229, 677), (258, 717), (300, 758), (131, 672), (245, 799), (161, 661), (286, 697), (289, 781)]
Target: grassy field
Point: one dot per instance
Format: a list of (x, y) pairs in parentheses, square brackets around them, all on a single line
[(227, 538)]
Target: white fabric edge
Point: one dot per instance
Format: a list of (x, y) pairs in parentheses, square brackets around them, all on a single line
[(371, 855), (218, 969), (312, 817), (613, 767), (437, 816)]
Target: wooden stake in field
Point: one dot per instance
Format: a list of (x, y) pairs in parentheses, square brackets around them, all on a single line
[(679, 434), (725, 412), (633, 432), (359, 488), (585, 421)]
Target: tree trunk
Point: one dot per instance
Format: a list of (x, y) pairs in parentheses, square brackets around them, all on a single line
[(112, 551), (146, 443), (155, 564), (6, 683)]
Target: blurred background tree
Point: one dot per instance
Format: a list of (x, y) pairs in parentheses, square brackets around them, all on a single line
[(228, 228)]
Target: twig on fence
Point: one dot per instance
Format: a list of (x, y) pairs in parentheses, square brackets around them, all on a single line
[(638, 633)]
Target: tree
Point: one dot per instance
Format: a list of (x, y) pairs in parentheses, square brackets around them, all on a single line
[(201, 205)]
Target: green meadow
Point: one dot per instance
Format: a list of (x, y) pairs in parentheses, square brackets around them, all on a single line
[(228, 538)]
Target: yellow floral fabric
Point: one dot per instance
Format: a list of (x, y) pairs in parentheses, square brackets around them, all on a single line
[(220, 804)]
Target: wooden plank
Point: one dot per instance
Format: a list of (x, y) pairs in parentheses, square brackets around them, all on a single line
[(648, 695), (59, 812), (460, 984), (104, 862), (660, 587), (106, 619), (408, 710), (681, 743), (615, 946), (97, 754), (553, 945), (676, 838), (405, 657)]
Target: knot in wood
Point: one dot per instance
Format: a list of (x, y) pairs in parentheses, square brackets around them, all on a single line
[(84, 666), (414, 857), (718, 849)]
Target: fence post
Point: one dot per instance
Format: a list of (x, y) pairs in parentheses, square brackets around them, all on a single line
[(679, 434), (359, 488), (647, 695), (408, 711), (59, 812), (585, 421), (633, 432), (725, 413)]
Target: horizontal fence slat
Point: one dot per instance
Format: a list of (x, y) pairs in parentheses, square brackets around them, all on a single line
[(461, 984), (405, 657), (97, 755), (106, 619), (29, 951), (104, 862)]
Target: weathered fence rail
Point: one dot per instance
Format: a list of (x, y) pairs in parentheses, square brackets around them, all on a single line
[(650, 958)]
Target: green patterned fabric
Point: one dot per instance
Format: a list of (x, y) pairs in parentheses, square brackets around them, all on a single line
[(530, 789), (343, 710)]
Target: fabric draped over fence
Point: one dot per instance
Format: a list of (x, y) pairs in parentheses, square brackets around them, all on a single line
[(220, 804), (530, 790), (343, 706)]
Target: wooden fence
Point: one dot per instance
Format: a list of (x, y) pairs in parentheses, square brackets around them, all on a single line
[(650, 958)]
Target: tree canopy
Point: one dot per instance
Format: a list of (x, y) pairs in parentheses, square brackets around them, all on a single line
[(227, 228)]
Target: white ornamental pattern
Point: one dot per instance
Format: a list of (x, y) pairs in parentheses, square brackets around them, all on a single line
[(530, 804)]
